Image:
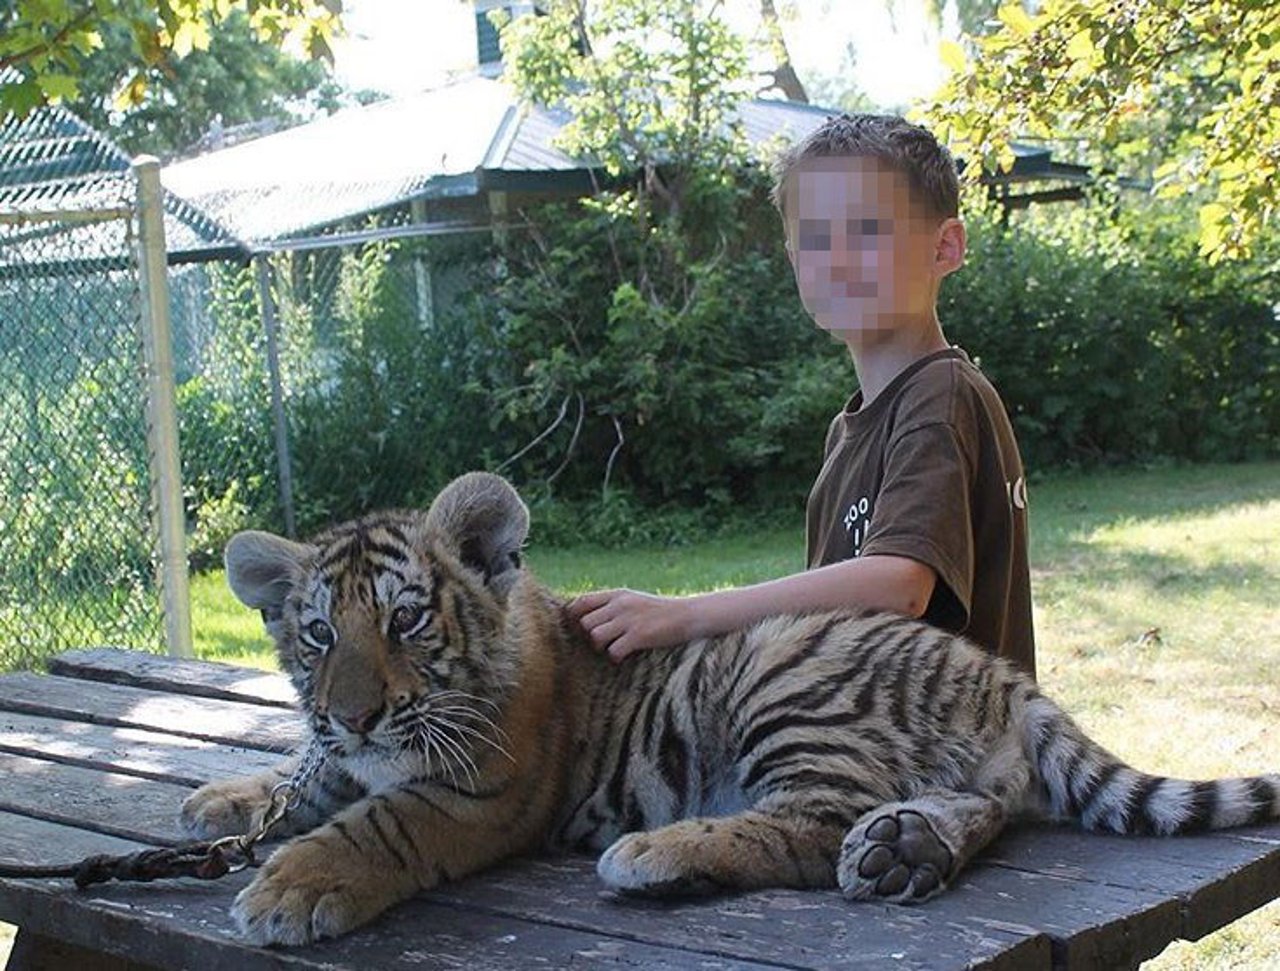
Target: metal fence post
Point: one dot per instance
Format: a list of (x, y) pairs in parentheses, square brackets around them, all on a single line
[(162, 424), (422, 274), (269, 322)]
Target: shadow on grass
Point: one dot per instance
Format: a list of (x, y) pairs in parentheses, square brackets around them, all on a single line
[(1073, 502)]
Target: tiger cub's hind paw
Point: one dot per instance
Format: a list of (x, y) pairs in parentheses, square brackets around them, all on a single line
[(894, 855)]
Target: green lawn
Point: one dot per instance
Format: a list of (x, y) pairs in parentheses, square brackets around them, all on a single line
[(1157, 616)]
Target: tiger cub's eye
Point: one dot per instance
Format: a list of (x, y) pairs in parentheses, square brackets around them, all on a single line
[(404, 619), (321, 633)]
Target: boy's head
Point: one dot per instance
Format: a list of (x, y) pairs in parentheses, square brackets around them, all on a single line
[(870, 205)]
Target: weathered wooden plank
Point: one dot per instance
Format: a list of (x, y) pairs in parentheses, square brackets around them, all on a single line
[(786, 927), (185, 924), (36, 842), (119, 805), (157, 672), (807, 929), (33, 952), (130, 751), (1217, 877), (232, 722), (1090, 925)]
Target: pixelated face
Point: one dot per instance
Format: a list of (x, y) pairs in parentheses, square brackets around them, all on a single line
[(862, 254)]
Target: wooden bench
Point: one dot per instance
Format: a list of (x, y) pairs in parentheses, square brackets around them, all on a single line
[(97, 756)]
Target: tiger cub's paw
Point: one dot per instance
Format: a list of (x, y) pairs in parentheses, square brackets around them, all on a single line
[(226, 808), (895, 855), (297, 898), (653, 864)]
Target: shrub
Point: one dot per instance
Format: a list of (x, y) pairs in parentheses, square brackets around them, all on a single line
[(1111, 341)]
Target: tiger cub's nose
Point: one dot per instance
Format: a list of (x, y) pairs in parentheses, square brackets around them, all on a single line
[(361, 722)]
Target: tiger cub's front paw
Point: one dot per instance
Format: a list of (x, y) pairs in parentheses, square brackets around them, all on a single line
[(298, 897), (226, 808), (655, 863)]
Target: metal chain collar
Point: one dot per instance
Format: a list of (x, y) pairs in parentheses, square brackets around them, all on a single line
[(284, 798)]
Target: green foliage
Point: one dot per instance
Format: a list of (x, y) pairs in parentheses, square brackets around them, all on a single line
[(381, 409), (1195, 83), (237, 79), (48, 43), (695, 396), (226, 444), (648, 82), (1111, 341), (659, 307), (76, 562), (386, 415), (217, 519)]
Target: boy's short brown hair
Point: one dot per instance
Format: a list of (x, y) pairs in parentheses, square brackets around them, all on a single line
[(894, 141)]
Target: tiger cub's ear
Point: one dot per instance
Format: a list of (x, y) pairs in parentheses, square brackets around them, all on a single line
[(262, 568), (484, 522)]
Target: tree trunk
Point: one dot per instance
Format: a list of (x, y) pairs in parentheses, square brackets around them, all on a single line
[(784, 75)]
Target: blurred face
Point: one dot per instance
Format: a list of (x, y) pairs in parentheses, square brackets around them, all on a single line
[(866, 261)]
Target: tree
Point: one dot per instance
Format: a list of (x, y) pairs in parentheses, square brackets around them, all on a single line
[(647, 81), (635, 314), (238, 79), (45, 44), (1192, 83), (783, 76)]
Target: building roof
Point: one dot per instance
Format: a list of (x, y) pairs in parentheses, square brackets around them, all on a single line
[(52, 162), (460, 139), (356, 161), (456, 140)]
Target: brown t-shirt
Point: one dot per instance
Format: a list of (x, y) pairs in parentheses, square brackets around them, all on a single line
[(930, 471)]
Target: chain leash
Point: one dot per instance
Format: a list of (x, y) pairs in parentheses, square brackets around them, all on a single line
[(206, 860)]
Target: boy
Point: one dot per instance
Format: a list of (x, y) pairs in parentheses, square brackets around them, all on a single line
[(920, 506)]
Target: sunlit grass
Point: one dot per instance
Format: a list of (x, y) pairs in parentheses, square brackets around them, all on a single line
[(1157, 600), (223, 629)]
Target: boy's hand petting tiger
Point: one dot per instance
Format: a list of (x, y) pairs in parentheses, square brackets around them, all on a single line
[(465, 718), (620, 622)]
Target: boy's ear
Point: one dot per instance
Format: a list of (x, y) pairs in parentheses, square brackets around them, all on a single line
[(950, 245)]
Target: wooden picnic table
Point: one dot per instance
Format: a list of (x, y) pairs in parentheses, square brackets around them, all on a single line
[(97, 756)]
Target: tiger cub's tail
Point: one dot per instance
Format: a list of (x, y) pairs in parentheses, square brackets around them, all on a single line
[(1087, 783)]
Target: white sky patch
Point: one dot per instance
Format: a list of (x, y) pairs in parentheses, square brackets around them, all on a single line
[(403, 46)]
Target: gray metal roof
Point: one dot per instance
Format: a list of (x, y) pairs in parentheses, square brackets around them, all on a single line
[(455, 140), (353, 162)]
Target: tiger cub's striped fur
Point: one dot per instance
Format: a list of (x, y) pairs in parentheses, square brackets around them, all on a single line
[(465, 720)]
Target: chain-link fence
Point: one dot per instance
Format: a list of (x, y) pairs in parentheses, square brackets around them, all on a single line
[(313, 382), (77, 556)]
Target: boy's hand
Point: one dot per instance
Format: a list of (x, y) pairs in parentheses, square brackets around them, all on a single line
[(623, 621)]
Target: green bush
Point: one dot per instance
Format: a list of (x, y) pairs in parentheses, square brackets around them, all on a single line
[(1111, 341), (679, 367)]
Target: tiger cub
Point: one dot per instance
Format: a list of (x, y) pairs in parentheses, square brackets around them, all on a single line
[(465, 719)]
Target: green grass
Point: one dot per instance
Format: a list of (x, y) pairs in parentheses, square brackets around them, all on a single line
[(1157, 608), (223, 629)]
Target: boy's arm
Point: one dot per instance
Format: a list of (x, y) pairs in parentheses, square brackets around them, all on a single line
[(625, 621)]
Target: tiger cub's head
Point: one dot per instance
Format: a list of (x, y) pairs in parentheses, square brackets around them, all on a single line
[(387, 624)]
